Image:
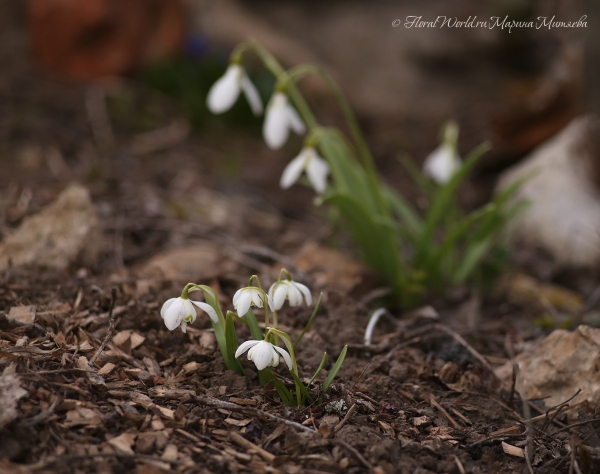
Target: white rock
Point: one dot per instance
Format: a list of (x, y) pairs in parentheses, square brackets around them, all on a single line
[(561, 364), (564, 212), (64, 233)]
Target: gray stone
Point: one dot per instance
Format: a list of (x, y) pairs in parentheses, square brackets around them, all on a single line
[(563, 216), (64, 233)]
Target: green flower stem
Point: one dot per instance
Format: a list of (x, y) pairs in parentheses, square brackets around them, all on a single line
[(279, 72), (254, 278), (219, 327), (295, 74), (287, 274), (290, 347)]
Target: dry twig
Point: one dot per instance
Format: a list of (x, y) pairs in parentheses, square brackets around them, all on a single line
[(111, 328), (250, 411)]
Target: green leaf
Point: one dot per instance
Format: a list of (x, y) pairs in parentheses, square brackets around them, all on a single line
[(456, 233), (336, 368), (428, 187), (286, 396), (376, 241), (319, 369), (443, 200), (408, 216), (257, 334), (300, 385), (231, 341), (310, 321)]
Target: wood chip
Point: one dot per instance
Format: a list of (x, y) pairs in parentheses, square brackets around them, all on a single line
[(107, 369), (170, 453), (387, 428), (136, 340), (240, 423), (251, 447), (421, 421), (513, 450), (123, 443), (22, 314), (191, 367)]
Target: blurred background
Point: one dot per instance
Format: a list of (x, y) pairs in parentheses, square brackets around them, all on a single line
[(111, 93)]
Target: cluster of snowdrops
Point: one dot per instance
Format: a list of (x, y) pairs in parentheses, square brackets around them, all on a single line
[(263, 350), (435, 247)]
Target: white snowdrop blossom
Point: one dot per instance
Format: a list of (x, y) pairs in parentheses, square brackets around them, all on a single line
[(316, 169), (291, 290), (249, 296), (442, 163), (226, 90), (279, 118), (264, 354), (181, 311)]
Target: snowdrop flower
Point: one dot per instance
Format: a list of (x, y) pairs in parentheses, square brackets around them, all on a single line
[(226, 90), (291, 290), (279, 118), (442, 163), (249, 296), (264, 354), (316, 169), (180, 311)]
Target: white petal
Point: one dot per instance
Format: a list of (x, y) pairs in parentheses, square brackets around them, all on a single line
[(285, 355), (257, 298), (276, 127), (279, 296), (184, 326), (244, 347), (165, 306), (225, 91), (208, 309), (317, 171), (252, 95), (174, 314), (270, 303), (441, 164), (294, 296), (294, 120), (237, 295), (243, 304), (261, 355), (293, 170), (274, 357), (189, 312), (272, 288), (305, 291)]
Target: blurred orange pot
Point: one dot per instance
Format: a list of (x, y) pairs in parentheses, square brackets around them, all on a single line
[(92, 39)]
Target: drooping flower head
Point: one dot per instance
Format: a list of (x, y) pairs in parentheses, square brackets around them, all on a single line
[(181, 311), (244, 298), (316, 169), (289, 289), (264, 354), (444, 161), (224, 93), (279, 119)]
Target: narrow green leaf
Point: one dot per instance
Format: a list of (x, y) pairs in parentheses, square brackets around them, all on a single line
[(336, 368), (408, 216), (300, 385), (257, 334), (231, 341), (442, 201), (319, 369), (286, 396), (310, 321)]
